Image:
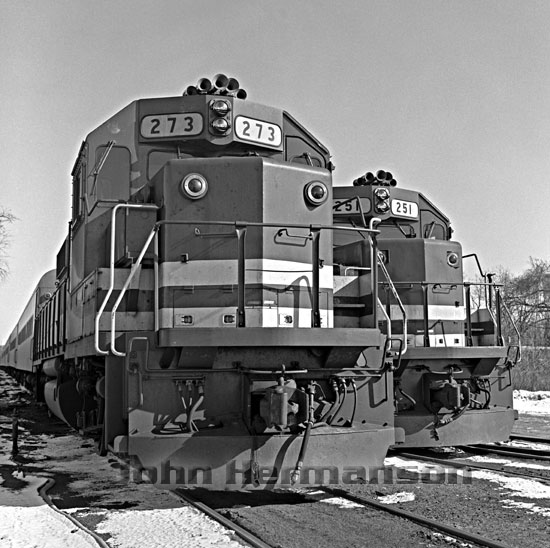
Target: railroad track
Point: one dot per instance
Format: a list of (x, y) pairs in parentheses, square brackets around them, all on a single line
[(461, 463), (530, 439), (255, 540), (435, 525), (94, 537), (510, 451), (248, 536)]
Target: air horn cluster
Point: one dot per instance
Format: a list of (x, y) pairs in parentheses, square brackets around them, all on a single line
[(381, 178), (220, 85)]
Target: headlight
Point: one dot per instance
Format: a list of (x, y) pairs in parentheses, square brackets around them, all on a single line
[(220, 125), (381, 200), (194, 186), (220, 107), (453, 259), (316, 193)]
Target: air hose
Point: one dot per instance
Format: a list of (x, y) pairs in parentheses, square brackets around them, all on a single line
[(295, 476)]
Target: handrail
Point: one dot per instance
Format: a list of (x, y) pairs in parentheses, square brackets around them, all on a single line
[(112, 268), (503, 303), (474, 255), (466, 285), (388, 321), (499, 303), (239, 226), (374, 273), (416, 282), (270, 225), (399, 302), (135, 267), (487, 286)]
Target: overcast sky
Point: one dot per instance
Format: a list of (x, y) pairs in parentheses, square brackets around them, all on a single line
[(453, 97)]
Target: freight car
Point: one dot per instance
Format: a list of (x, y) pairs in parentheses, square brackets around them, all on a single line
[(452, 375), (191, 324)]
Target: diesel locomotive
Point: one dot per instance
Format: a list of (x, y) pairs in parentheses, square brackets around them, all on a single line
[(225, 316), (189, 322), (452, 371)]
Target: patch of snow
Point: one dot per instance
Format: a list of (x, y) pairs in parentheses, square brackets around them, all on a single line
[(342, 503), (450, 540), (518, 487), (157, 519), (426, 471), (521, 487), (183, 527), (26, 521), (530, 445), (412, 465), (506, 462), (402, 496), (532, 403), (531, 506)]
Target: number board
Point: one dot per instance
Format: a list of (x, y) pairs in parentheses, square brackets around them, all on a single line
[(346, 206), (171, 125), (258, 131), (402, 208)]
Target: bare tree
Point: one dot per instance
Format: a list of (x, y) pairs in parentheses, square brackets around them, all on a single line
[(527, 296), (6, 218), (528, 299)]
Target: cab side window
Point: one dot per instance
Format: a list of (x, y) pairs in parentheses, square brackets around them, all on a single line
[(113, 179), (78, 175), (434, 231), (301, 152)]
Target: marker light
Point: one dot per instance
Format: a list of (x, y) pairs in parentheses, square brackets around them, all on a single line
[(382, 200), (316, 193), (220, 125), (194, 186), (220, 107), (453, 259)]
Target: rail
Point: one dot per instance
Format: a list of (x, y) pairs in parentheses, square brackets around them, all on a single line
[(514, 326), (434, 524), (391, 285), (495, 315), (240, 229), (488, 286), (114, 212), (468, 465)]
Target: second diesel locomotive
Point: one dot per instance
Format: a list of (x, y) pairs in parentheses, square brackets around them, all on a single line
[(452, 373), (192, 324)]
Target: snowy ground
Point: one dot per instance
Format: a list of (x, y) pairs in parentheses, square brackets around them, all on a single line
[(532, 403), (512, 488), (123, 513), (138, 514)]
